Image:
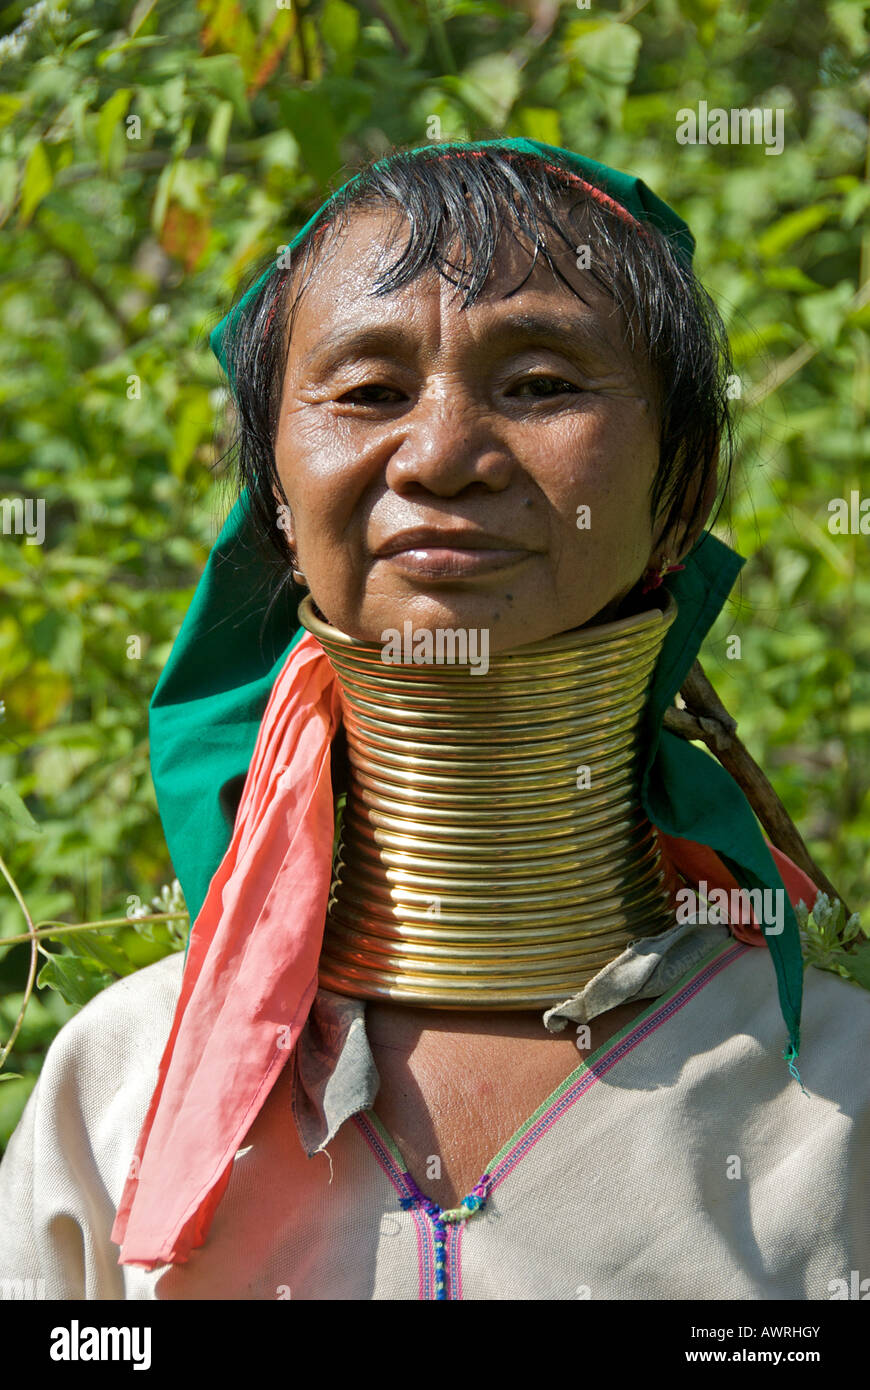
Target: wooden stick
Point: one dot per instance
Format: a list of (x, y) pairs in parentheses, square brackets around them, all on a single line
[(705, 719)]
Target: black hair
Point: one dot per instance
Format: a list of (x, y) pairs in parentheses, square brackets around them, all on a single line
[(452, 200)]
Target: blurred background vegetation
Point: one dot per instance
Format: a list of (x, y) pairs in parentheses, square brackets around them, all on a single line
[(150, 153)]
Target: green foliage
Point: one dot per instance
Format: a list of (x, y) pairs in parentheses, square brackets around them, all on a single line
[(831, 941), (150, 153)]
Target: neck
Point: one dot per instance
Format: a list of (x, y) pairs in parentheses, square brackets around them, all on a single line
[(493, 851)]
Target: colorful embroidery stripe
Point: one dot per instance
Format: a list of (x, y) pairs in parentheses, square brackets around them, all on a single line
[(425, 1244), (520, 1146), (455, 1289)]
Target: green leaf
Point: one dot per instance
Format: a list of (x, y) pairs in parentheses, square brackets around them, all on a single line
[(111, 114), (161, 197), (112, 58), (309, 118), (409, 22), (791, 228), (219, 130), (606, 50), (857, 963), (83, 39), (789, 277), (854, 203), (8, 185), (36, 183), (489, 86), (12, 807), (141, 11), (849, 18), (822, 314), (195, 421), (223, 74), (9, 106), (339, 26), (539, 123), (77, 981), (10, 1076), (98, 948), (58, 637)]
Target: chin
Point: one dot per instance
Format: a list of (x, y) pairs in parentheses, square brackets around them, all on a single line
[(508, 622)]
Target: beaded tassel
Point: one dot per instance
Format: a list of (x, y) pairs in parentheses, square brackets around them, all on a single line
[(474, 1202)]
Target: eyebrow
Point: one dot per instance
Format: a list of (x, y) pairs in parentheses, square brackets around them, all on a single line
[(573, 334)]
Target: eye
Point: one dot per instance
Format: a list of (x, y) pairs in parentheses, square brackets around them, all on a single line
[(371, 400), (544, 386)]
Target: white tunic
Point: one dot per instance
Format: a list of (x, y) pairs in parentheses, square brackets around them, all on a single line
[(680, 1161)]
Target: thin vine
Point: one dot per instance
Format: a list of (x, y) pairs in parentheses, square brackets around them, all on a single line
[(141, 920)]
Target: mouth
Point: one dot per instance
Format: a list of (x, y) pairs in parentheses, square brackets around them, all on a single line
[(439, 553)]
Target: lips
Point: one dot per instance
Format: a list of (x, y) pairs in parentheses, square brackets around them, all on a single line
[(434, 553), (436, 538)]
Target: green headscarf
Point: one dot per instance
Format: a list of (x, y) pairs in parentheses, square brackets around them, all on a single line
[(208, 704)]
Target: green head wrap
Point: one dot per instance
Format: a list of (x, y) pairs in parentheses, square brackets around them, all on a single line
[(208, 704)]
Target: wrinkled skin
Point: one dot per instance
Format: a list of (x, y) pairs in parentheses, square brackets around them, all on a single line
[(449, 421)]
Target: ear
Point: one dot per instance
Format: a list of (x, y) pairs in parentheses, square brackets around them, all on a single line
[(285, 523), (680, 534)]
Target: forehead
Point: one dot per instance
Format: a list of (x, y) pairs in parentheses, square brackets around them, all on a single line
[(357, 251)]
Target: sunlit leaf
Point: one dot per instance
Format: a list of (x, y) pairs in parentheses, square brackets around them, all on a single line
[(13, 809), (110, 116), (36, 183), (76, 981), (608, 51), (490, 86), (219, 129), (9, 106), (793, 227), (339, 25), (539, 123)]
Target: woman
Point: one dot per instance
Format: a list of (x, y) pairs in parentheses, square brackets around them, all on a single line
[(482, 1052)]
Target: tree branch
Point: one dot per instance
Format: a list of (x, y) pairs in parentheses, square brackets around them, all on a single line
[(238, 154), (544, 16), (380, 13), (706, 720), (34, 957)]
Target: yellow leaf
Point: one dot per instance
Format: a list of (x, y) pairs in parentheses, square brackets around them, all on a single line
[(9, 106), (37, 699)]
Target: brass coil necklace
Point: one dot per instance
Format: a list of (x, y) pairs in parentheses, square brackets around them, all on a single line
[(493, 852)]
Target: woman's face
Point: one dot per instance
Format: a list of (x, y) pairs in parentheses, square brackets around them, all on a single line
[(437, 460)]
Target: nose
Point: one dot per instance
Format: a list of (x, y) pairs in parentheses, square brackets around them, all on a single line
[(449, 445)]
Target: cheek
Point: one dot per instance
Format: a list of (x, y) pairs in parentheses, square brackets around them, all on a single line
[(607, 464), (319, 471), (600, 500)]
